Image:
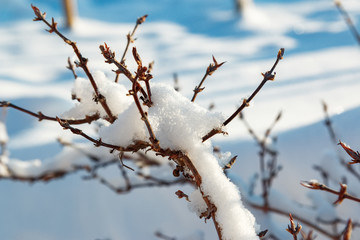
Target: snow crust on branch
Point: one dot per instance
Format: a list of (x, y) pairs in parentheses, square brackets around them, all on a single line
[(114, 93), (179, 124)]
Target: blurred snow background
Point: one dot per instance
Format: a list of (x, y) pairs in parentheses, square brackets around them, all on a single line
[(321, 63)]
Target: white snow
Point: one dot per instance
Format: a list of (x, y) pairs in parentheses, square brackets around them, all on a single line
[(3, 133), (180, 124), (115, 95), (321, 62), (127, 128)]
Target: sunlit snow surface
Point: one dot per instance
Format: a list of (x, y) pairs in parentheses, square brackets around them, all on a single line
[(321, 62)]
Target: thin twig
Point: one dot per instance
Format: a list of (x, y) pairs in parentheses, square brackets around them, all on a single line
[(348, 230), (127, 188), (354, 155), (210, 205), (70, 66), (130, 36), (268, 171), (163, 236), (82, 61), (261, 142), (266, 77), (130, 39), (133, 92), (209, 71), (308, 236), (305, 221), (338, 221), (45, 176), (40, 116), (110, 58), (131, 148), (292, 229), (143, 74), (348, 20), (334, 138), (341, 193), (123, 171)]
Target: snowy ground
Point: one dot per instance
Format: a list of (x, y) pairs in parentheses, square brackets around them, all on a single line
[(321, 63)]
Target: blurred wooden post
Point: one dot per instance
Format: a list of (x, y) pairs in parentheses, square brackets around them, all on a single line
[(240, 5), (69, 12)]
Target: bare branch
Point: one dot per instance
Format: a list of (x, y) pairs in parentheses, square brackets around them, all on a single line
[(333, 137), (209, 71), (266, 77), (348, 20), (341, 193), (82, 61), (354, 155), (163, 236), (348, 230), (133, 92), (40, 116), (292, 229), (70, 66), (313, 225), (110, 58), (130, 36), (131, 148)]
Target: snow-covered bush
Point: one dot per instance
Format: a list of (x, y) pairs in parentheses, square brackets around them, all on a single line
[(165, 138), (148, 117)]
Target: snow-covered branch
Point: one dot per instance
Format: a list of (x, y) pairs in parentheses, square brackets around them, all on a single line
[(157, 119)]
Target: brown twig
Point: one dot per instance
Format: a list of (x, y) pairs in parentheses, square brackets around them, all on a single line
[(328, 123), (163, 236), (82, 61), (348, 230), (305, 221), (142, 74), (40, 116), (70, 66), (261, 141), (292, 229), (92, 157), (341, 193), (131, 148), (209, 71), (130, 39), (308, 236), (348, 20), (270, 170), (266, 77), (133, 92), (210, 205), (45, 176), (130, 186), (130, 36), (338, 221), (109, 55), (333, 137), (354, 155)]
